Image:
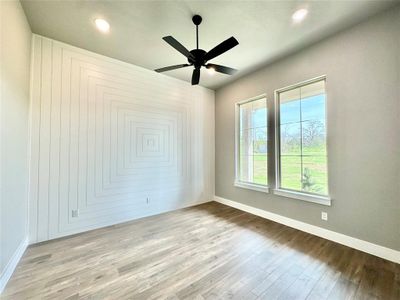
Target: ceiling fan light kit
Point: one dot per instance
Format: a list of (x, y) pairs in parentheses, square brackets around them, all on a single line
[(198, 57)]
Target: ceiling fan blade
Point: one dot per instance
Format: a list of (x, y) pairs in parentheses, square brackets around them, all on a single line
[(221, 69), (196, 76), (178, 46), (171, 68), (221, 48)]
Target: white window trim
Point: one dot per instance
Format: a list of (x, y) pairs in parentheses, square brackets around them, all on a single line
[(324, 200), (252, 186), (320, 199), (237, 182)]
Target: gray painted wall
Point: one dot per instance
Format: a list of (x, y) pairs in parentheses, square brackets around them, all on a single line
[(362, 66), (15, 70)]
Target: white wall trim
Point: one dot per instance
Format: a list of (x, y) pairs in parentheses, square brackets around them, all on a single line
[(12, 264), (380, 251), (251, 186), (303, 196)]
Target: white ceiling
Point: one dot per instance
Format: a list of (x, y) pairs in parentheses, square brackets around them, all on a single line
[(264, 29)]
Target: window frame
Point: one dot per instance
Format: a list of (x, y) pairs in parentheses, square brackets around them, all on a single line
[(237, 182), (301, 195)]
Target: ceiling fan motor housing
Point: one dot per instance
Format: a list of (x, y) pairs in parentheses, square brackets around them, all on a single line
[(198, 58)]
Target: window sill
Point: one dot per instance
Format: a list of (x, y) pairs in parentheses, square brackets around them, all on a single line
[(250, 186), (303, 196)]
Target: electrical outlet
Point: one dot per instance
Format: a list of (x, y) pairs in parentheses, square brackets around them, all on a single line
[(75, 213), (147, 200), (324, 216)]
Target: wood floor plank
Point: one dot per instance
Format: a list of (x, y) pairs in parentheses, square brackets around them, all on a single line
[(209, 251)]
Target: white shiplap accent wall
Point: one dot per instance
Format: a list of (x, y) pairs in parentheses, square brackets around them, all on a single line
[(114, 141)]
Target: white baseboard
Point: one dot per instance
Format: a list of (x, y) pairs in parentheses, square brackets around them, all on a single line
[(380, 251), (12, 264)]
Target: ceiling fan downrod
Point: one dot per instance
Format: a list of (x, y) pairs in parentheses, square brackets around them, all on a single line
[(197, 21)]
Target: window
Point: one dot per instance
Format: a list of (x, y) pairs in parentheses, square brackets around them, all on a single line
[(301, 139), (300, 143), (251, 144)]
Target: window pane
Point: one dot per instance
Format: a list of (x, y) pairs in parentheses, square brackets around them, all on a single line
[(315, 178), (252, 164), (245, 115), (246, 142), (260, 169), (260, 141), (290, 139), (314, 137), (259, 112), (246, 168), (291, 172), (303, 155), (290, 106), (313, 108)]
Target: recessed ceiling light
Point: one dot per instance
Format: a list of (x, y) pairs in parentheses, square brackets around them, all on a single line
[(299, 15), (102, 25)]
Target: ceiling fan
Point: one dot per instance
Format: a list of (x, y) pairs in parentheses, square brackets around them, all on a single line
[(198, 57)]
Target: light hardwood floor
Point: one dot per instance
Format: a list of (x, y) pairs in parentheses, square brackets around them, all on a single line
[(210, 251)]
